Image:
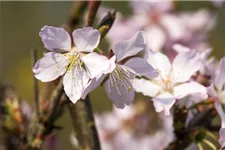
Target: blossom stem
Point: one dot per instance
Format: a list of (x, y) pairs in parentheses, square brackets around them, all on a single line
[(98, 50)]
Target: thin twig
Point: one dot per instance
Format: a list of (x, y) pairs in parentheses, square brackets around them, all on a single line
[(92, 123), (92, 11), (76, 15), (35, 82), (55, 99), (84, 125)]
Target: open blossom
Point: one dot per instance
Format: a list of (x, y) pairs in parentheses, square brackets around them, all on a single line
[(173, 80), (217, 90), (120, 75), (79, 63)]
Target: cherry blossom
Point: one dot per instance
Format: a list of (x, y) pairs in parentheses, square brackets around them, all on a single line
[(118, 82), (77, 63), (173, 81)]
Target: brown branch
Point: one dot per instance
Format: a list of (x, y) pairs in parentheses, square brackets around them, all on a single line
[(77, 12), (84, 125), (92, 11)]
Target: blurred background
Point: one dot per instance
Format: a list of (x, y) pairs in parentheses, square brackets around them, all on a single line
[(20, 23)]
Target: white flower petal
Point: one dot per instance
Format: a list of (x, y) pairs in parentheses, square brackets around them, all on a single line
[(54, 38), (146, 87), (220, 78), (211, 91), (149, 57), (141, 67), (86, 39), (74, 82), (221, 113), (129, 47), (112, 65), (92, 84), (164, 102), (190, 88), (185, 64), (50, 67), (162, 64), (95, 63), (119, 95)]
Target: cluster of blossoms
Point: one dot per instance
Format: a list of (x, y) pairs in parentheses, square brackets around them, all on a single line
[(158, 54), (84, 69), (122, 74)]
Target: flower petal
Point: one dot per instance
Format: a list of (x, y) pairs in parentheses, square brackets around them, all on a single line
[(141, 67), (86, 39), (129, 47), (211, 91), (119, 95), (112, 65), (185, 64), (220, 78), (164, 102), (95, 63), (146, 87), (92, 84), (162, 64), (221, 113), (74, 82), (56, 39), (190, 88), (50, 67)]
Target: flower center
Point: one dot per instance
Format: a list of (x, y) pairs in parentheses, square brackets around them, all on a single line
[(73, 59), (121, 77), (166, 82)]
